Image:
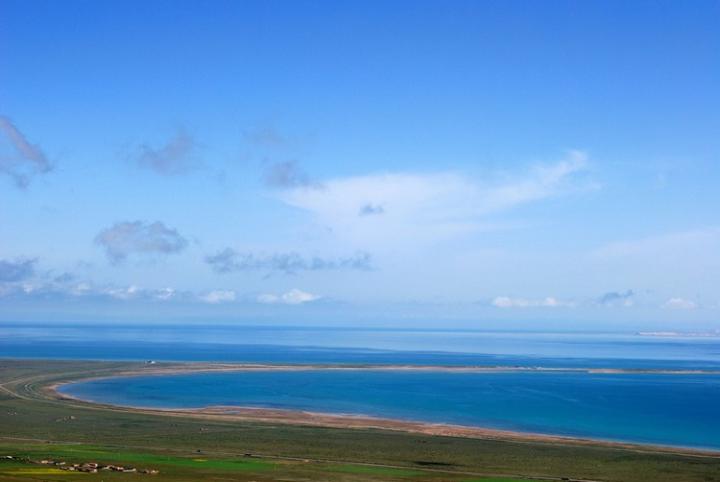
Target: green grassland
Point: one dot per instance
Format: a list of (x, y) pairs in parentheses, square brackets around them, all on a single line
[(35, 426)]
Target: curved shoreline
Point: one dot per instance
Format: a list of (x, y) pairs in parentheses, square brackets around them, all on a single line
[(351, 421)]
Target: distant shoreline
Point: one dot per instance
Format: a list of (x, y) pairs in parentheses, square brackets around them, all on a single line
[(196, 367), (351, 421)]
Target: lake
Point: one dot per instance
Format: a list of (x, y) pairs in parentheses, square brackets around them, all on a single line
[(646, 408), (294, 344)]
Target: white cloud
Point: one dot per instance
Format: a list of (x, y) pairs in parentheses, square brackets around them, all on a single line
[(79, 289), (292, 297), (22, 280), (549, 302), (425, 207), (44, 287), (123, 293), (218, 296), (679, 304), (165, 294)]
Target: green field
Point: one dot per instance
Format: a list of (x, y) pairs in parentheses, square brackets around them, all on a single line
[(34, 426)]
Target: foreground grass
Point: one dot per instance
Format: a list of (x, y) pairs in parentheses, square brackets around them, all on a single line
[(187, 449)]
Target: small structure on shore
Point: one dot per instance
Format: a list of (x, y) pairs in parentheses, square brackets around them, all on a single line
[(86, 467)]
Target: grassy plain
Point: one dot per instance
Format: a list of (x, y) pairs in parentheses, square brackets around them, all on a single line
[(35, 426)]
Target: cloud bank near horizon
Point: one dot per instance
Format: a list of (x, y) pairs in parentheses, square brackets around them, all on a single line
[(231, 261)]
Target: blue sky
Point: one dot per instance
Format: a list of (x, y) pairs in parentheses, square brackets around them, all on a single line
[(476, 164)]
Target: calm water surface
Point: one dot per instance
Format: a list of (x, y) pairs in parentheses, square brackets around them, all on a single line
[(277, 344), (666, 409)]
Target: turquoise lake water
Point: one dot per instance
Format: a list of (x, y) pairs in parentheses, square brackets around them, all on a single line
[(679, 410)]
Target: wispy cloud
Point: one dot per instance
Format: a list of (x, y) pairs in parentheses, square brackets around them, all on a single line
[(20, 279), (174, 157), (370, 210), (131, 293), (679, 304), (16, 270), (20, 159), (292, 297), (229, 261), (425, 207), (549, 302), (611, 298), (288, 174), (266, 137), (21, 276), (126, 238), (44, 286), (218, 296)]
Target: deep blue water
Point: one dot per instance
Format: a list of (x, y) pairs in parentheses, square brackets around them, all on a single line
[(651, 408), (277, 344)]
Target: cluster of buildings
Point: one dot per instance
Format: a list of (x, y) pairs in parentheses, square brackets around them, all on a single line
[(88, 467)]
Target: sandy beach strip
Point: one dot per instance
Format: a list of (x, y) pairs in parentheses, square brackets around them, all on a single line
[(199, 367)]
